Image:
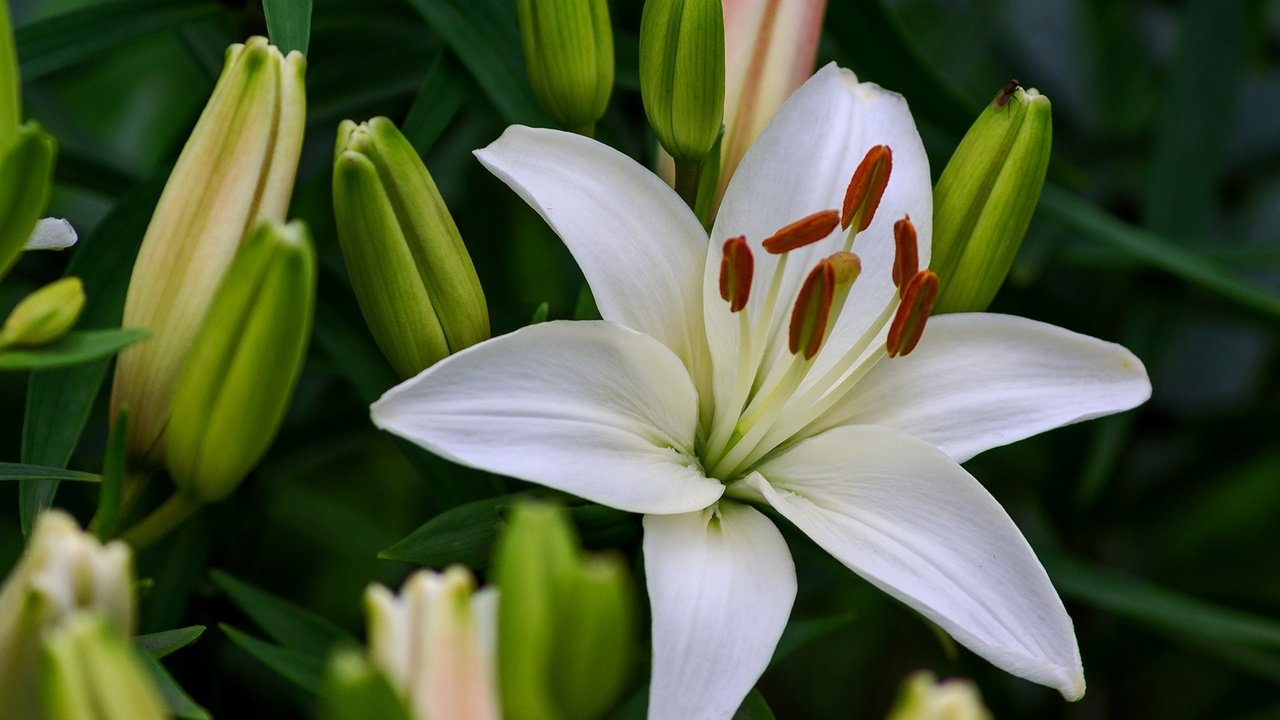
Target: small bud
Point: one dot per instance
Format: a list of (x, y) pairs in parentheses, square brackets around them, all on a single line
[(986, 196), (26, 177), (52, 234), (918, 297), (45, 315), (806, 230), (91, 673), (64, 572), (417, 288), (682, 74), (862, 197), (355, 690), (924, 698), (434, 643), (813, 310), (736, 269), (568, 51), (233, 391), (236, 170)]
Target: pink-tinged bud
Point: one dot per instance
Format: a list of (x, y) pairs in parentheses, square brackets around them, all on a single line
[(908, 324), (736, 270), (867, 187), (812, 310), (802, 232), (906, 258)]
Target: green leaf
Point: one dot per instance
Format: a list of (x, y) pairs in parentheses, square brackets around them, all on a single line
[(175, 698), (288, 24), (802, 632), (306, 671), (754, 708), (113, 473), (74, 348), (298, 630), (64, 40), (443, 92), (160, 644), (20, 471)]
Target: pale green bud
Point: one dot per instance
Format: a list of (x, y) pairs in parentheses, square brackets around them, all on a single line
[(411, 273), (235, 387), (26, 177), (434, 643), (64, 572), (355, 690), (45, 315), (236, 171), (91, 673), (986, 196), (568, 50), (924, 698), (682, 74), (594, 639), (10, 81)]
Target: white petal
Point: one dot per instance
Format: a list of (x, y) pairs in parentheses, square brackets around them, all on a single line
[(52, 234), (639, 246), (590, 408), (981, 380), (721, 585), (906, 517), (801, 164)]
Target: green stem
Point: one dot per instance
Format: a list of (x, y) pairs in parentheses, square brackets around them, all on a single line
[(162, 521), (688, 175)]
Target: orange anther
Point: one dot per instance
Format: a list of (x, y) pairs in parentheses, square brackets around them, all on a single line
[(736, 269), (867, 187), (906, 259), (913, 312), (806, 230), (812, 310)]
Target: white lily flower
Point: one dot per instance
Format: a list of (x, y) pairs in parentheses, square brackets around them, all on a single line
[(678, 408)]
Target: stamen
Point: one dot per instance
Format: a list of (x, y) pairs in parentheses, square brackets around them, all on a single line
[(866, 188), (802, 232), (906, 259), (908, 323), (736, 269), (813, 306), (847, 267)]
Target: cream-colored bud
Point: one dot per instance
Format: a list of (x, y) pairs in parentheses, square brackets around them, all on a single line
[(45, 315)]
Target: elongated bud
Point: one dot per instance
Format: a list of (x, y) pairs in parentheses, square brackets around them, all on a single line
[(593, 647), (682, 74), (737, 267), (862, 197), (45, 315), (806, 230), (236, 170), (568, 51), (64, 572), (986, 196), (26, 176), (10, 82), (918, 297), (906, 257), (924, 698), (236, 384), (91, 673), (813, 310), (417, 288), (434, 644), (355, 690)]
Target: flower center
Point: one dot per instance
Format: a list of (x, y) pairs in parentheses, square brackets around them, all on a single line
[(770, 402)]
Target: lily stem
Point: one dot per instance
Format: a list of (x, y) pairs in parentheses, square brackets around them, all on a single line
[(162, 521), (688, 178)]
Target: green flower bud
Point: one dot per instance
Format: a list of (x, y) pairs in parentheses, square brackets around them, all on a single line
[(64, 572), (10, 82), (568, 50), (594, 643), (26, 177), (355, 690), (236, 170), (45, 315), (984, 200), (91, 673), (235, 386), (682, 74), (924, 698), (417, 288)]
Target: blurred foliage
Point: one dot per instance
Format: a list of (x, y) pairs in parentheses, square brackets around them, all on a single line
[(1159, 228)]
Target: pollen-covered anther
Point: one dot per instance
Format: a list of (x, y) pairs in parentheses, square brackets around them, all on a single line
[(736, 269), (866, 188), (813, 310), (908, 323), (906, 258), (802, 232), (846, 266)]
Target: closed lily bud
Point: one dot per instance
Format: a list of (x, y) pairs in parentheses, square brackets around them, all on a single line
[(91, 673), (594, 639), (64, 572), (10, 81), (682, 74), (45, 315), (355, 690), (986, 196), (236, 171), (434, 643), (924, 698), (568, 50), (411, 273), (233, 391), (26, 176)]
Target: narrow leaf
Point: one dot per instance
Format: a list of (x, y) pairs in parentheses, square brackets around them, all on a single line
[(306, 671), (74, 348), (442, 94), (289, 24), (19, 471), (113, 471), (299, 630), (161, 644), (177, 699)]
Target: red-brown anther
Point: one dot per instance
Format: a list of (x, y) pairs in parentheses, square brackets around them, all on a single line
[(812, 310), (867, 187), (736, 269), (906, 258), (806, 230), (913, 312)]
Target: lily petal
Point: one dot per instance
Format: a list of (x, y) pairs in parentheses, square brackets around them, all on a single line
[(721, 584), (801, 164), (906, 517), (590, 408), (639, 246), (52, 234), (981, 380)]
